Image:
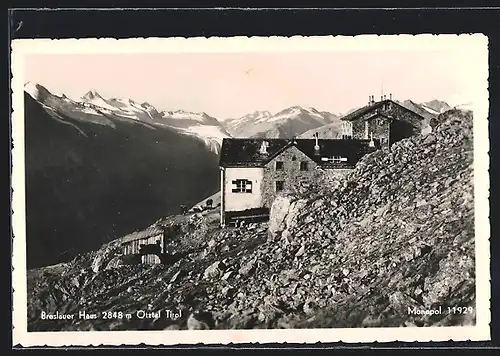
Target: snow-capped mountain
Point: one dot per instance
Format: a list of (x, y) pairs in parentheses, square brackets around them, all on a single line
[(237, 126), (95, 108), (438, 106), (287, 123)]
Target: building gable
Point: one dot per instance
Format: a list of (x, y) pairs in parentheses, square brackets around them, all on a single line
[(242, 152), (291, 156), (388, 108)]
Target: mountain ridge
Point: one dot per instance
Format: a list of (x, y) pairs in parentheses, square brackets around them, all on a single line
[(286, 123), (200, 125)]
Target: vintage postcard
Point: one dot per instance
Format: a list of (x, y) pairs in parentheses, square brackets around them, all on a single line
[(250, 190)]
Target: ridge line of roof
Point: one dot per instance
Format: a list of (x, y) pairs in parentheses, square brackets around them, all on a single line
[(364, 109)]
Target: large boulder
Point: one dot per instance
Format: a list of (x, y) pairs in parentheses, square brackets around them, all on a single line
[(278, 213), (104, 256), (291, 218), (283, 216)]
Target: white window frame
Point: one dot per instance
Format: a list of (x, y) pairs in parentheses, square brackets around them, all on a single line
[(241, 186), (347, 128), (334, 159)]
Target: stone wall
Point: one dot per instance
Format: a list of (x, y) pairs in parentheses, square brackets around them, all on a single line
[(409, 124), (332, 177), (295, 180), (291, 174), (378, 125)]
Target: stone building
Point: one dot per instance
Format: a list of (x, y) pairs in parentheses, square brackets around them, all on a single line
[(255, 171), (384, 120)]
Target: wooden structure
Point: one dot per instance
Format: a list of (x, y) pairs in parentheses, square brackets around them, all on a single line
[(148, 246), (234, 218)]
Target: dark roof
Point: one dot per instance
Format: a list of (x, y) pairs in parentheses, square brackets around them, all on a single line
[(238, 152), (140, 235), (365, 109), (246, 152)]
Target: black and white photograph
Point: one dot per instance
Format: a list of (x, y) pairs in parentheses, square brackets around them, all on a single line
[(165, 188)]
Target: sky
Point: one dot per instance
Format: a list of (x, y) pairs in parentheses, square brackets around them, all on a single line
[(232, 84)]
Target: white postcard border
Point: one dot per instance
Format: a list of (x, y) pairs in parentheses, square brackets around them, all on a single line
[(474, 45)]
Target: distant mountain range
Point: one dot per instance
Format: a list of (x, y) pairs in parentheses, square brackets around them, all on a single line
[(92, 107), (287, 123)]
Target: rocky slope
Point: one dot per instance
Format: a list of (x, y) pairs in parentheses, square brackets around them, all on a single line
[(392, 236)]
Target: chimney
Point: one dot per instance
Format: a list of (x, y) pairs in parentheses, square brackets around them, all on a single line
[(263, 147), (371, 144), (369, 99), (390, 96), (316, 146)]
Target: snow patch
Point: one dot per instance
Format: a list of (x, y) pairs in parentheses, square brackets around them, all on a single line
[(98, 101), (88, 110), (32, 89), (184, 115), (213, 132), (430, 110)]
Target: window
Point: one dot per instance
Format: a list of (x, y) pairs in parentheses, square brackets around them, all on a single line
[(280, 185), (242, 186), (303, 166), (347, 129), (334, 159), (279, 165), (294, 158)]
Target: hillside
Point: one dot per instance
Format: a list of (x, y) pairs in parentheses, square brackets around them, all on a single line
[(287, 123), (92, 177), (393, 235)]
